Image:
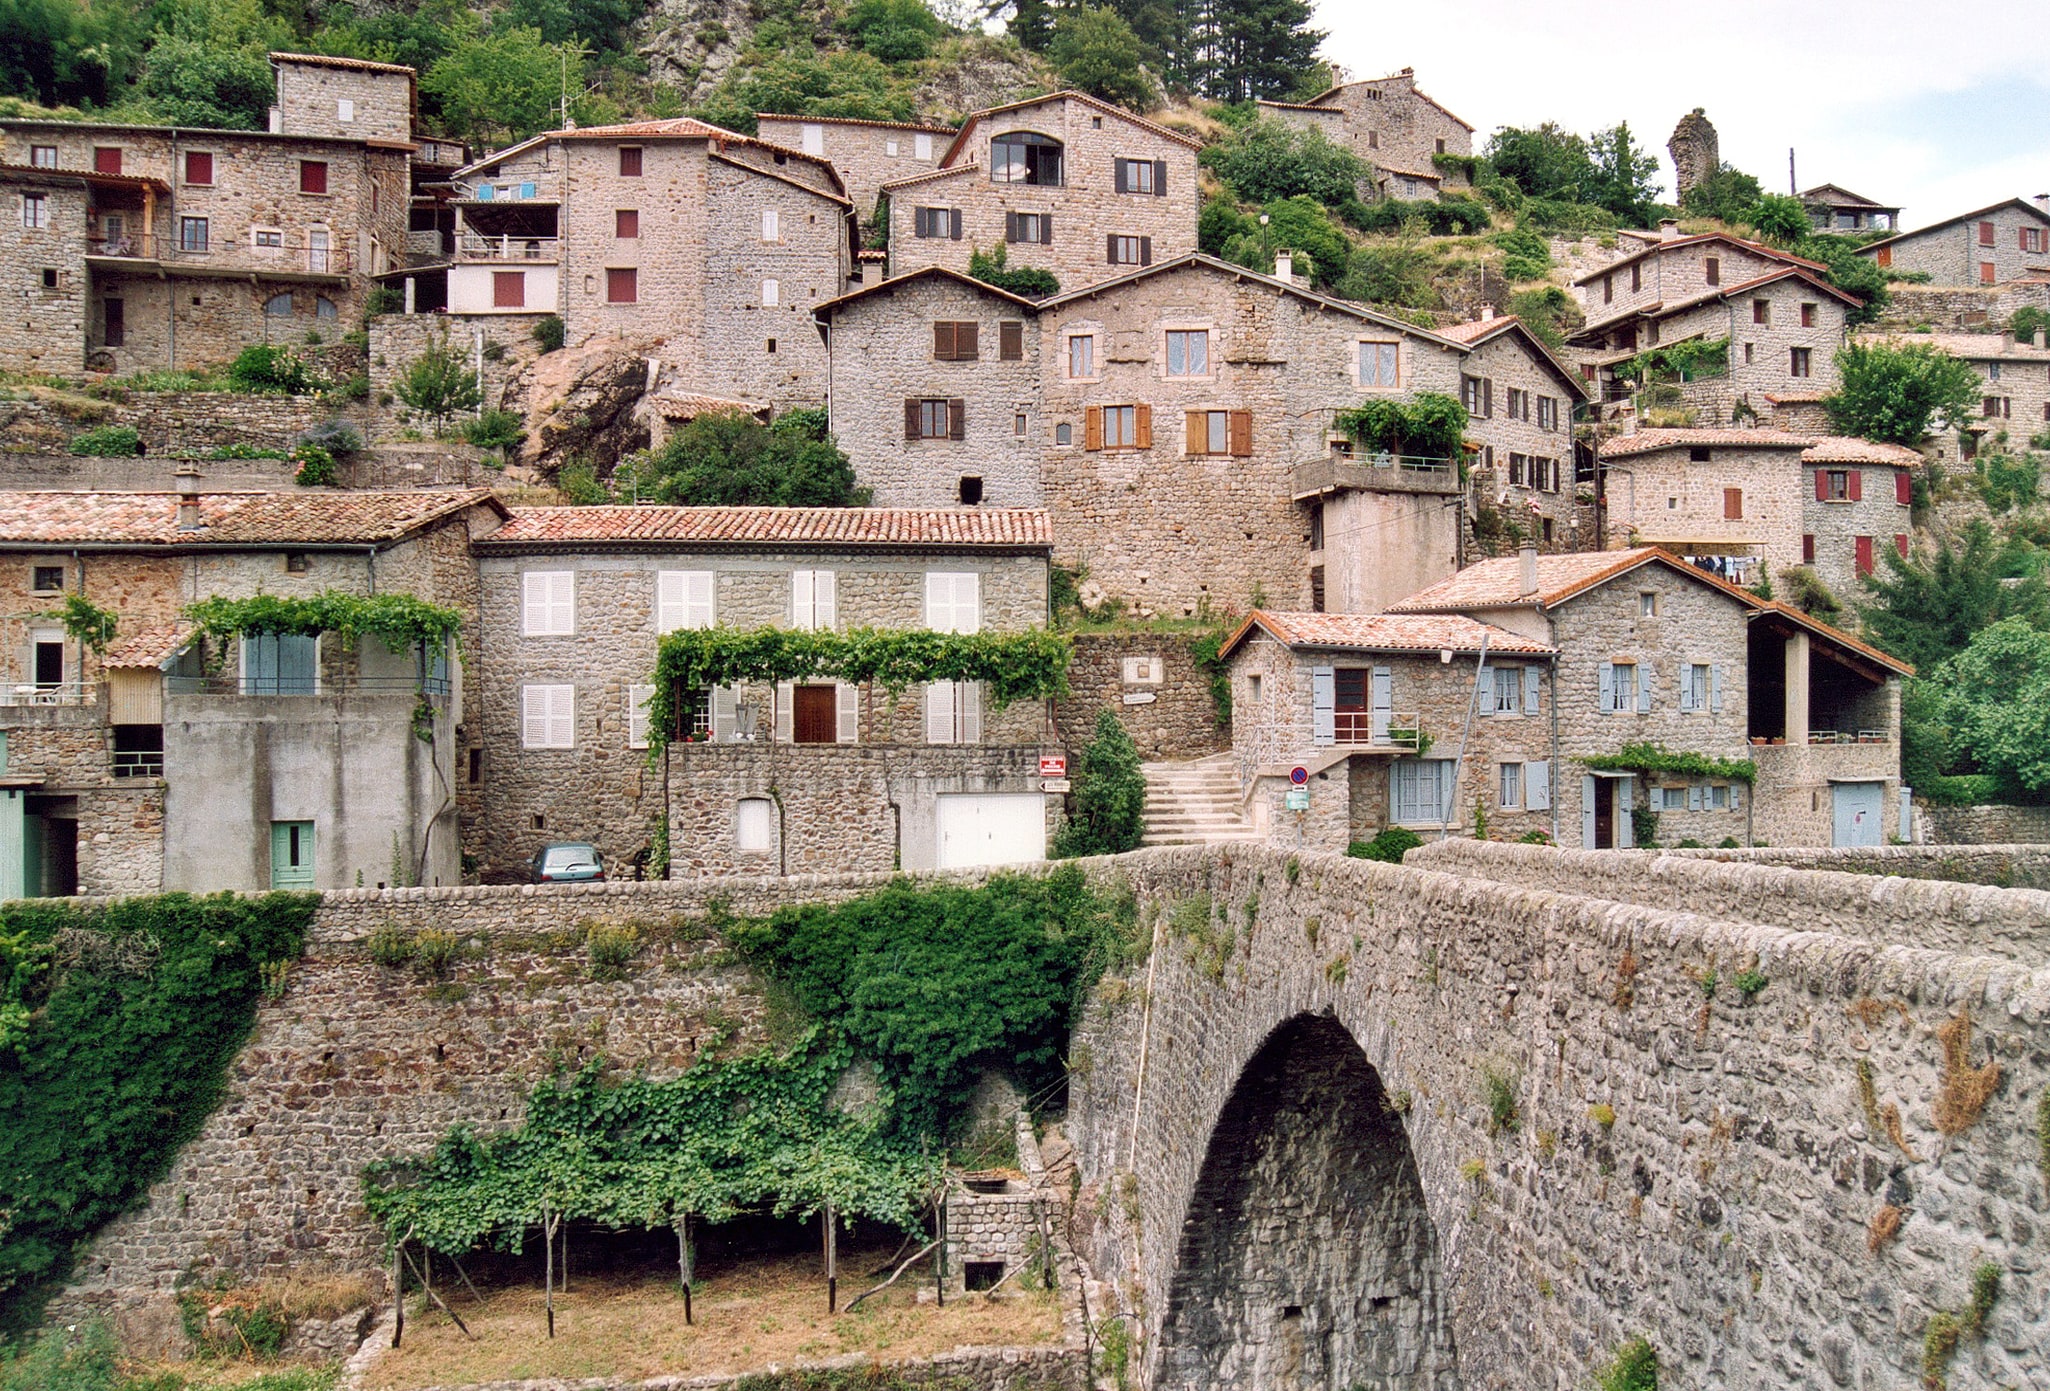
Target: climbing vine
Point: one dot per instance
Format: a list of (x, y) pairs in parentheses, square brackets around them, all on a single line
[(1652, 758), (399, 621), (1688, 361), (120, 1023), (1429, 427), (89, 624)]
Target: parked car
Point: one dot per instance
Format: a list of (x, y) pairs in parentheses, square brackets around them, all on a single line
[(567, 862)]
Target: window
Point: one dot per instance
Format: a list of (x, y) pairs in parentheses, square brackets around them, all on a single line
[(1064, 433), (1129, 251), (1833, 485), (199, 167), (313, 176), (1119, 427), (1712, 270), (1992, 371), (630, 161), (548, 717), (1672, 798), (1188, 352), (42, 156), (1377, 364), (1698, 692), (1422, 790), (955, 341), (1996, 407), (820, 714), (812, 139), (812, 603), (1082, 355), (1989, 274), (107, 159), (969, 489), (684, 599), (1900, 544), (626, 223), (1761, 311), (1518, 470), (279, 306), (1023, 157), (1477, 394), (1548, 412), (1519, 404), (935, 418), (1733, 504), (345, 110), (1253, 687), (953, 601), (1373, 136), (1508, 690), (921, 147), (508, 289), (280, 664), (1608, 289), (192, 234), (1799, 361), (291, 854), (936, 222), (1985, 234), (772, 225), (1863, 553), (1637, 276), (772, 293), (1219, 432), (138, 750), (548, 603), (35, 210), (268, 239), (1018, 425), (323, 307), (1011, 341), (1511, 797), (1034, 228), (1808, 312), (1141, 176), (1619, 694), (47, 578), (953, 712), (753, 818), (1750, 349)]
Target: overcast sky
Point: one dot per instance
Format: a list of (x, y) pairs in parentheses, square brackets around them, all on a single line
[(1940, 106)]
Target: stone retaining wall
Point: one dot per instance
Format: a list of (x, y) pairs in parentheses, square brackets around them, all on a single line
[(173, 424), (1172, 718), (964, 1369), (2002, 866), (1990, 825)]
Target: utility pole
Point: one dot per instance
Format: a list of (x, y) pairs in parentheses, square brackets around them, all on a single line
[(1793, 185)]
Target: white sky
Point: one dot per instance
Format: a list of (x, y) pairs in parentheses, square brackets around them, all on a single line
[(1940, 106)]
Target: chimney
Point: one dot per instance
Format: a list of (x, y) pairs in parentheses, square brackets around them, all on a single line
[(1669, 229), (1284, 267), (1487, 313), (2043, 338), (2042, 200), (1526, 561), (187, 481)]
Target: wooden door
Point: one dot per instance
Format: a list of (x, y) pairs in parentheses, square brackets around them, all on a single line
[(1604, 814), (816, 715)]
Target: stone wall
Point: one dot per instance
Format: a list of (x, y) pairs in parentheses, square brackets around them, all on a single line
[(174, 425), (1951, 253), (1173, 718), (1959, 308), (2025, 866), (1723, 1209), (866, 154), (1988, 825), (1664, 495), (1835, 525), (398, 340)]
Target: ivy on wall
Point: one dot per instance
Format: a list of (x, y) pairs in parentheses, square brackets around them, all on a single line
[(1653, 758), (1687, 361), (1430, 426), (121, 1022), (399, 621)]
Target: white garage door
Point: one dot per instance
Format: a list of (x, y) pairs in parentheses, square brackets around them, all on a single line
[(991, 828)]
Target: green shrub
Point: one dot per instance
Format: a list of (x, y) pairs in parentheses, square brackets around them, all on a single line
[(1443, 217), (611, 949), (1389, 846), (1499, 1090), (2028, 321), (494, 429), (549, 332), (316, 467), (1268, 159), (1635, 1368), (578, 483), (268, 370), (993, 268), (78, 1358), (383, 299), (1525, 254), (335, 436), (109, 442), (1109, 797)]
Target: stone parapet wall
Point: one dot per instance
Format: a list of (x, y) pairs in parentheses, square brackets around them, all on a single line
[(1947, 308), (964, 1369), (1174, 718), (174, 425), (2003, 866), (1988, 825)]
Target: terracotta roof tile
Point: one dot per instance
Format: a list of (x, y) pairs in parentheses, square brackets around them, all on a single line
[(1433, 176), (913, 180), (148, 646), (228, 518), (975, 118), (1386, 632), (948, 528), (1846, 449), (1651, 441), (761, 116), (688, 405), (1756, 248), (327, 60)]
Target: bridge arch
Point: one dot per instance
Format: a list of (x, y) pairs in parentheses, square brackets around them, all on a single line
[(1308, 1258)]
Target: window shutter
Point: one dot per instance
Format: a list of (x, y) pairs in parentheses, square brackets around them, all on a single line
[(1160, 178), (968, 341), (1605, 688), (968, 603), (671, 601), (910, 417), (803, 609), (1715, 688), (1323, 705), (954, 219), (534, 716), (939, 712), (942, 340), (970, 702), (1488, 396), (1530, 690), (1142, 416), (725, 712), (698, 599), (1537, 786), (1110, 248), (1010, 226), (1011, 341), (1857, 482), (825, 599), (1196, 432), (1122, 179), (848, 696), (1694, 796), (1587, 811), (957, 418), (1900, 544), (1686, 687), (1092, 428), (785, 720), (1046, 229), (549, 600), (1241, 433), (1903, 487), (1822, 485), (1734, 793), (637, 716), (1380, 703), (939, 601), (1626, 828), (1644, 688), (1145, 251)]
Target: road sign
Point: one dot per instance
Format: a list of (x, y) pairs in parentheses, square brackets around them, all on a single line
[(1299, 799), (1053, 765), (1055, 785), (1298, 775)]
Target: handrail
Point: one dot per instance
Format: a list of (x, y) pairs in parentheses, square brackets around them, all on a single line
[(51, 693)]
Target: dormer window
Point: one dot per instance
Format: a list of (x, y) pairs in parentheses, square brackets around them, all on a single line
[(1023, 157)]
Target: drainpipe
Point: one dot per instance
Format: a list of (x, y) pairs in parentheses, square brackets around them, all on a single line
[(1473, 704), (1552, 679)]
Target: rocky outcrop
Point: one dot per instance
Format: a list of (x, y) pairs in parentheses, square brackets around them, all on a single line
[(1696, 152), (582, 405)]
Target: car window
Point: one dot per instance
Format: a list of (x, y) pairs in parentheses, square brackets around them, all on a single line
[(569, 857)]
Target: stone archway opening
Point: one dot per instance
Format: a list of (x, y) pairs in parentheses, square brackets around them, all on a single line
[(1308, 1260)]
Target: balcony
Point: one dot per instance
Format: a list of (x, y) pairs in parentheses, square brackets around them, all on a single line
[(510, 191), (1373, 473), (60, 693), (1398, 731), (474, 246), (297, 684), (1848, 736), (289, 259)]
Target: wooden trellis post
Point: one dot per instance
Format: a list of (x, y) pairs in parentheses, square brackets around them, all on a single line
[(548, 1222), (832, 1262), (686, 1261)]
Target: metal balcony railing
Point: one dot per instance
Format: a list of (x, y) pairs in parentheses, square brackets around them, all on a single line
[(289, 255), (475, 246), (1383, 728), (138, 763), (303, 684), (51, 693), (1848, 736)]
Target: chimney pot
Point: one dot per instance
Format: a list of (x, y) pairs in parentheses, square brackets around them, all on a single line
[(2043, 338), (186, 480), (1526, 557), (1487, 313), (1284, 266), (1669, 229)]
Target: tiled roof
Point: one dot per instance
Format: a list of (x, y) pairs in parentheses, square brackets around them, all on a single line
[(1386, 632), (228, 518), (1411, 173), (1318, 100), (1651, 441), (672, 128), (914, 179), (1756, 248), (1475, 332), (149, 646), (1844, 199), (947, 528), (1846, 449), (1977, 346), (854, 121), (825, 308), (1821, 629), (1660, 309), (324, 60), (2024, 204), (686, 405), (90, 176)]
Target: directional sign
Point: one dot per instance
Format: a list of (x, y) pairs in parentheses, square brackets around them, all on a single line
[(1299, 799), (1298, 775)]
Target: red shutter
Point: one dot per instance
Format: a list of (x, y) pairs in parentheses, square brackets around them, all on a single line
[(1884, 256), (626, 223), (1900, 543), (1241, 432), (1985, 234), (1807, 550), (508, 289), (1857, 484), (622, 285), (1822, 485), (1864, 555), (630, 161), (199, 168), (1903, 487), (312, 176), (107, 159)]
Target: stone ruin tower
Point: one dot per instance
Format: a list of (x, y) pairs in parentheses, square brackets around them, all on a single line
[(1696, 154)]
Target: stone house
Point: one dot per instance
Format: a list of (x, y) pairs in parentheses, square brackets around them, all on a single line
[(1833, 208), (1527, 478), (1653, 650), (139, 247), (866, 154), (172, 762), (704, 249), (1065, 183), (1987, 246), (802, 778), (1856, 503), (1395, 128), (2014, 391)]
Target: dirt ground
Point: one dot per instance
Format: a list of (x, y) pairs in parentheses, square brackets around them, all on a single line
[(769, 1309)]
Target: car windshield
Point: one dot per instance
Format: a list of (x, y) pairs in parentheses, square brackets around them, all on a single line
[(561, 857)]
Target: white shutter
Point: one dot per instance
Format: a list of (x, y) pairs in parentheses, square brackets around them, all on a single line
[(1626, 826), (697, 599), (1381, 701), (786, 700), (1715, 688), (968, 603), (1530, 690), (725, 712), (1686, 687), (969, 703), (953, 602), (803, 606), (1537, 785), (683, 599), (848, 698), (669, 601), (1605, 688), (1323, 705), (771, 224), (548, 717), (1587, 812), (637, 716), (939, 712), (534, 717), (825, 607), (1643, 688), (549, 602)]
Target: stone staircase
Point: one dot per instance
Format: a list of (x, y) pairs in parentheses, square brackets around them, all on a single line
[(1194, 803)]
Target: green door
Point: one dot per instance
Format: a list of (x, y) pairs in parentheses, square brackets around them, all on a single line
[(291, 854)]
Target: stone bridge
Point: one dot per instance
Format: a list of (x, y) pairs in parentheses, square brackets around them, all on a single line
[(1354, 1125)]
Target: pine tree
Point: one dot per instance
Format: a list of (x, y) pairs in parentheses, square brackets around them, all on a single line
[(1260, 48)]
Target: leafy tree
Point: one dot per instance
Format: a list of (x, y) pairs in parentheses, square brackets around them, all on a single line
[(1851, 273), (857, 86), (64, 51), (1259, 48), (896, 31), (2028, 321), (1030, 22), (1928, 605), (1095, 51), (1526, 255), (1779, 218), (415, 35), (1995, 704), (730, 459), (1395, 270), (504, 85), (1219, 222), (1623, 175), (1110, 795), (1728, 194), (604, 24), (1270, 159), (993, 268), (1547, 311), (1547, 162), (1898, 395), (191, 83), (439, 384)]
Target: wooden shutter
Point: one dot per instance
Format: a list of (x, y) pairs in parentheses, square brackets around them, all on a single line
[(1323, 705), (847, 713), (1822, 485), (1587, 811), (1694, 796), (1046, 229), (1110, 248), (1142, 427), (1686, 687), (803, 605), (1145, 251), (534, 716), (637, 698), (785, 720), (957, 418), (969, 702), (1160, 178), (550, 601), (1903, 487), (1010, 226), (968, 341), (1733, 504), (1626, 802), (1857, 484), (1092, 428), (968, 603), (1605, 688), (725, 712), (1864, 555), (1011, 341), (911, 417), (1122, 177), (1808, 549), (1239, 430), (939, 601), (943, 340), (1537, 785), (508, 289), (954, 219), (1530, 690), (939, 712), (1196, 432), (1900, 543)]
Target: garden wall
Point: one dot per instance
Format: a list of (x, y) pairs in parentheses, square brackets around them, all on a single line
[(171, 423), (1172, 718), (1988, 825)]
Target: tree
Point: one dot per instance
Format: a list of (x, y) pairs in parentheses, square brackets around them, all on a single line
[(1994, 705), (1898, 395), (1110, 795), (1259, 48), (1549, 162), (604, 24), (730, 459), (503, 85), (1778, 218), (1095, 51), (1623, 175), (1727, 194), (1271, 159), (63, 51), (1300, 225), (439, 384), (1927, 607), (190, 82), (896, 31), (1851, 273)]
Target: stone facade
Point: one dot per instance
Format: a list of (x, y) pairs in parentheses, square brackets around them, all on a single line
[(1709, 492), (1991, 246), (342, 98), (1393, 127), (1525, 472), (1151, 682), (2014, 390), (1852, 512), (1674, 270), (1090, 203), (866, 154)]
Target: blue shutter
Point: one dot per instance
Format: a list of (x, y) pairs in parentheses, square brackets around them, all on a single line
[(1644, 688), (526, 190), (1323, 705), (1587, 811), (1694, 796), (1448, 787), (1605, 689), (1626, 826), (1715, 688), (259, 664), (1686, 687), (1483, 679), (1537, 785), (298, 664), (1530, 690), (1734, 787)]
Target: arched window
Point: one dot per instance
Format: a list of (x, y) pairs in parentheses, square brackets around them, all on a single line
[(323, 308), (1023, 157), (279, 305)]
